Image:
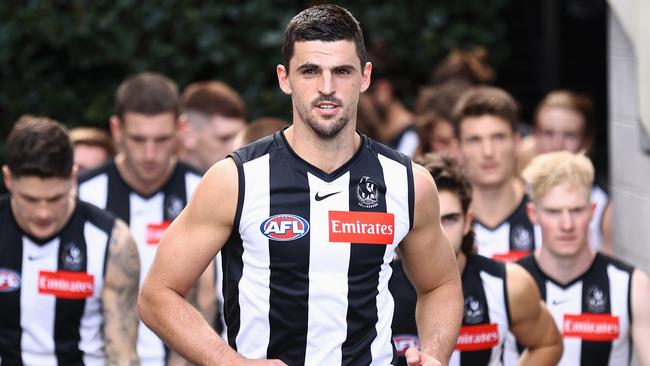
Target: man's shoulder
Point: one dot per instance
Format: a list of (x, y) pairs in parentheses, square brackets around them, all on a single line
[(185, 169), (93, 173), (615, 262), (95, 215), (258, 148), (385, 150)]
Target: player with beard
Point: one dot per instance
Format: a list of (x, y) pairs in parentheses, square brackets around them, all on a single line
[(308, 221)]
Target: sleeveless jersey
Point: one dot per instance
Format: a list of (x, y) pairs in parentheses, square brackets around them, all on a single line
[(486, 318), (147, 217), (592, 312), (51, 289), (512, 239), (306, 268), (600, 197)]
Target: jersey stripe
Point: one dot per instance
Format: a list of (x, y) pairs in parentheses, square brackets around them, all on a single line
[(328, 283), (619, 296), (253, 332), (289, 265), (592, 352), (363, 272), (11, 259)]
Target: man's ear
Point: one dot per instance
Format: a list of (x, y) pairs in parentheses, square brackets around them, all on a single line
[(283, 79), (7, 177), (115, 125), (531, 211), (366, 75)]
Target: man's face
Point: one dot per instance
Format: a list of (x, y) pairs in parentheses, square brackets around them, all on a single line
[(559, 129), (455, 223), (487, 146), (563, 214), (443, 139), (215, 140), (148, 144), (41, 206), (89, 156), (324, 81)]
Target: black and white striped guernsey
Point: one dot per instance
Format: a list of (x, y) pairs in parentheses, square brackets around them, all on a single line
[(592, 312), (486, 319), (512, 239), (306, 268), (147, 217), (50, 290)]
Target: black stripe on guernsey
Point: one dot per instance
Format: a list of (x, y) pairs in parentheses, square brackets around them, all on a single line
[(530, 265), (363, 272), (519, 221), (11, 253), (288, 264), (592, 352), (473, 287), (411, 192), (68, 312), (175, 193), (117, 197), (232, 263)]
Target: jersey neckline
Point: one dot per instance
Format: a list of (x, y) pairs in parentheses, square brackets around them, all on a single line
[(520, 207)]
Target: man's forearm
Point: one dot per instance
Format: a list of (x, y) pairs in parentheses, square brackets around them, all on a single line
[(439, 315), (546, 355), (183, 328)]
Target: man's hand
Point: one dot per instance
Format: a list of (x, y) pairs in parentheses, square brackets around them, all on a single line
[(414, 357)]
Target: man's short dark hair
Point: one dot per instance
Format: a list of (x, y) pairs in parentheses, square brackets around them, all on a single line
[(448, 176), (147, 93), (486, 100), (213, 98), (39, 146), (327, 23)]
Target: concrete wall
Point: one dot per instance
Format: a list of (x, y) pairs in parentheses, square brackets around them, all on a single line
[(630, 165)]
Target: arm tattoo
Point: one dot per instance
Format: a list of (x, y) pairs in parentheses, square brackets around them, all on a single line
[(120, 297)]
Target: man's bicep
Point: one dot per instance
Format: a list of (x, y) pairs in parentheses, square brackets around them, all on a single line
[(426, 252), (200, 231), (641, 314)]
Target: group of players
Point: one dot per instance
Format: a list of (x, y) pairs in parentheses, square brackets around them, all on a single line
[(329, 248)]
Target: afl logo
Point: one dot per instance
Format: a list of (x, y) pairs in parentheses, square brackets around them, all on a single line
[(284, 227), (9, 280)]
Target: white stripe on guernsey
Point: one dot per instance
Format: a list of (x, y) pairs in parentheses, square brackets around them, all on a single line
[(254, 331), (496, 303), (397, 202), (455, 359), (143, 212), (618, 294), (37, 311), (566, 301), (537, 231), (92, 339), (191, 181), (95, 190), (328, 274), (491, 242)]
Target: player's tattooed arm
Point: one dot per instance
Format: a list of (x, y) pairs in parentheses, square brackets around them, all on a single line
[(120, 297)]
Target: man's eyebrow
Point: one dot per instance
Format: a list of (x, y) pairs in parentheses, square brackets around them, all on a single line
[(308, 66)]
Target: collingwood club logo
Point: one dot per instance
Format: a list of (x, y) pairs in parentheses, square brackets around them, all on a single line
[(72, 257), (596, 301), (521, 238), (473, 311), (367, 193), (174, 206)]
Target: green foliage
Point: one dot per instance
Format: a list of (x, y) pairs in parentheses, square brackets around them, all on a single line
[(65, 58)]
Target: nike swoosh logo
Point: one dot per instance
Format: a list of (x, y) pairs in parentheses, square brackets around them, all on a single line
[(558, 302), (320, 198), (37, 257)]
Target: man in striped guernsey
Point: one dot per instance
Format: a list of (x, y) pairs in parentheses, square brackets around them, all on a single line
[(144, 184), (485, 123), (498, 297), (308, 221), (68, 270), (599, 303)]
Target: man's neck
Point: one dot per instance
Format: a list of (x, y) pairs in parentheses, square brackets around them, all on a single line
[(493, 204), (565, 269), (143, 187), (326, 155)]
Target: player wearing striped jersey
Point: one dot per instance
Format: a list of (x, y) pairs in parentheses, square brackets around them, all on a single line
[(485, 123), (68, 270), (498, 297), (308, 220), (599, 304), (144, 184)]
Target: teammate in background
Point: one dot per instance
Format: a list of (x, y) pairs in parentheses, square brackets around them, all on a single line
[(68, 270), (144, 184), (498, 297), (308, 221), (564, 121), (257, 129), (485, 122), (215, 113), (92, 147), (600, 304)]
